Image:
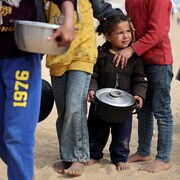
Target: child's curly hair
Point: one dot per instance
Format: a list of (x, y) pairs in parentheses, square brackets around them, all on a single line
[(107, 25)]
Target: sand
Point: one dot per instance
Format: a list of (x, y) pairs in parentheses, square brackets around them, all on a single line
[(47, 152)]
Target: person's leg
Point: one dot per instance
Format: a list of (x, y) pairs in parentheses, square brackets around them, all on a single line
[(119, 147), (59, 91), (3, 150), (145, 130), (162, 77), (74, 137), (22, 79), (98, 135)]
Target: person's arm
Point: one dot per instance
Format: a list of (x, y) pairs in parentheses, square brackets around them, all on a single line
[(66, 32), (93, 87), (139, 83), (156, 26), (159, 15), (139, 79), (103, 9)]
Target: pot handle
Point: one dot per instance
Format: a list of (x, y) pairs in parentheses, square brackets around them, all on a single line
[(134, 112), (134, 107)]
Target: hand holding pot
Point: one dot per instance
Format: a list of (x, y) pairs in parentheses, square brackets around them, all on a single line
[(66, 32), (64, 35), (91, 96), (139, 101)]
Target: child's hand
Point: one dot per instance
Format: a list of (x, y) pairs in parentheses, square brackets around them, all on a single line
[(91, 96), (140, 102), (66, 32)]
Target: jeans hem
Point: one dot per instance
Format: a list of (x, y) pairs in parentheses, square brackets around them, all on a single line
[(80, 161), (163, 160)]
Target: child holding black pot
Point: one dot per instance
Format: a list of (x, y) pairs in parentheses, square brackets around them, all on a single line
[(118, 33)]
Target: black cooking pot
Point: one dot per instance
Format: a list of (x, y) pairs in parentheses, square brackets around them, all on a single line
[(114, 105), (47, 100)]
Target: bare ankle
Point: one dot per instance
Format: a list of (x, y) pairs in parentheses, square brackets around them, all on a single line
[(91, 162), (136, 157)]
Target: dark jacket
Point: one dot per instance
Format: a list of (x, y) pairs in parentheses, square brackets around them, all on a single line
[(131, 79)]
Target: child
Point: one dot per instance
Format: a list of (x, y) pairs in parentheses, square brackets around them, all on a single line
[(70, 76), (152, 24), (118, 34)]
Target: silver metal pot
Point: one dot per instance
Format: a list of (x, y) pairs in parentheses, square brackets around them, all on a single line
[(114, 105), (32, 37)]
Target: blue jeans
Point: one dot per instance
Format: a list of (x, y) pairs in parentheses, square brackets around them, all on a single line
[(157, 104), (70, 91), (20, 93)]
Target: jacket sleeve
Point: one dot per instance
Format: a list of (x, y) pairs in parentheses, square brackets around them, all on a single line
[(94, 79), (139, 79), (103, 9)]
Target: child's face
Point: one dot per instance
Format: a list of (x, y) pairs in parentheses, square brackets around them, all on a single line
[(120, 37)]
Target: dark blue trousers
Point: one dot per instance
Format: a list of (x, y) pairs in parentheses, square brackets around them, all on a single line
[(99, 131)]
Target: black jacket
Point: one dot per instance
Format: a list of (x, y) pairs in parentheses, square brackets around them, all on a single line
[(131, 79)]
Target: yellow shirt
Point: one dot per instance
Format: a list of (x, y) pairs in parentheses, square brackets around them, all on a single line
[(82, 53)]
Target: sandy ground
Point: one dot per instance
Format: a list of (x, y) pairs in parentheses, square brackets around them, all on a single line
[(47, 153)]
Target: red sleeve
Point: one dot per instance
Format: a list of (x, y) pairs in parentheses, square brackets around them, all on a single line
[(158, 16)]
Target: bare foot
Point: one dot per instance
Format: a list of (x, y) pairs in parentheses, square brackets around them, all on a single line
[(91, 162), (76, 169), (136, 157), (121, 166), (156, 166), (60, 166)]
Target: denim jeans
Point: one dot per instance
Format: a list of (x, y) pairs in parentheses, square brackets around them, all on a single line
[(157, 104), (70, 91), (99, 131)]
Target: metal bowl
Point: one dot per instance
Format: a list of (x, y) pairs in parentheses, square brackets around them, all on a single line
[(32, 37)]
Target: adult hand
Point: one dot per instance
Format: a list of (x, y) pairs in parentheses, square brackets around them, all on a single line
[(122, 57)]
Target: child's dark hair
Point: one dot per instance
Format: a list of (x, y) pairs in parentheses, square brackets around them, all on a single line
[(107, 24)]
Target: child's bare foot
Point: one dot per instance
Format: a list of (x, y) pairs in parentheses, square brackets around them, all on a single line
[(76, 169), (136, 157), (91, 162), (156, 166), (60, 166), (121, 166)]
